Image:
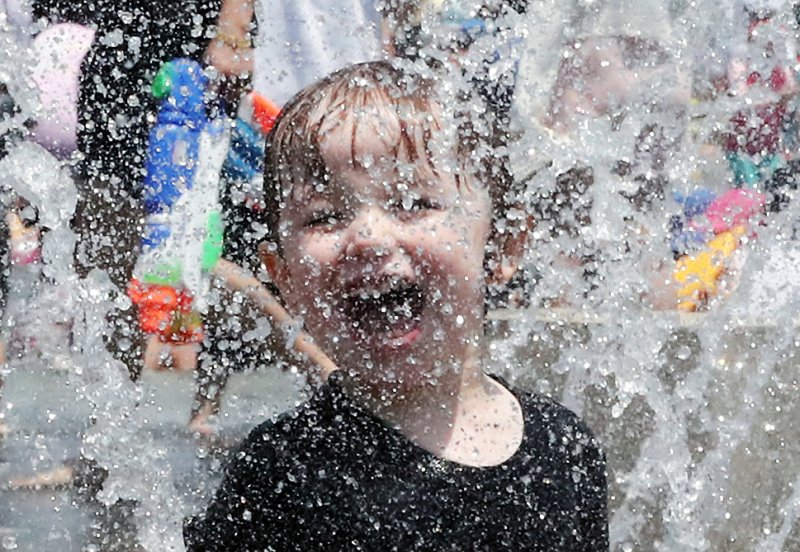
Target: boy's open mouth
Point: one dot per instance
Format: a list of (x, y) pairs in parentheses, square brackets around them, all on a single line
[(389, 312)]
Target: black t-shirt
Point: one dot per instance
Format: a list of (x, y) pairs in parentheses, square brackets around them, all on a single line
[(115, 103), (331, 476)]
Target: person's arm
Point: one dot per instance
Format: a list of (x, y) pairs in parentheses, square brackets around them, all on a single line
[(231, 49), (387, 37)]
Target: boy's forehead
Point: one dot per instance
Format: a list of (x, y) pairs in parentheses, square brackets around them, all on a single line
[(368, 156), (377, 138), (361, 139), (390, 140)]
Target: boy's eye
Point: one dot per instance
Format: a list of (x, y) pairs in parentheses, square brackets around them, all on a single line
[(322, 218), (424, 204), (411, 204)]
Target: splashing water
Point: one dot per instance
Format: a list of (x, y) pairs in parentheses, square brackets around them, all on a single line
[(692, 408), (695, 410)]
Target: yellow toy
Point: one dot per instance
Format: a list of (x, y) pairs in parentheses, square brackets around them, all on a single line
[(699, 274)]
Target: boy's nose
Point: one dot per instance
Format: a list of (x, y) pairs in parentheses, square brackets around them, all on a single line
[(372, 234)]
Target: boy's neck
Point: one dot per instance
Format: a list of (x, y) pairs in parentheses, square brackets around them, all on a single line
[(453, 417)]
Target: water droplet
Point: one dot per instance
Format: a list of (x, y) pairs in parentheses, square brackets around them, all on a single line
[(683, 353)]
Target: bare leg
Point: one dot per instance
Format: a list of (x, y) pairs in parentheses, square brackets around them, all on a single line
[(184, 357), (3, 425), (211, 377), (153, 354)]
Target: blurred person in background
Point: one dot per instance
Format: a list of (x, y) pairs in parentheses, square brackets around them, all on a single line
[(297, 43), (115, 112)]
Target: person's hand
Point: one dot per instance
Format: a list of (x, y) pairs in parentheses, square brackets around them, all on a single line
[(230, 52), (232, 63), (231, 56)]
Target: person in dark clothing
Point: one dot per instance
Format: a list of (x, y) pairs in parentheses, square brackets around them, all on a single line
[(229, 319), (116, 110), (332, 476), (387, 219)]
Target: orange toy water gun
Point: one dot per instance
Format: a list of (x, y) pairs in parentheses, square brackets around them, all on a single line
[(265, 112), (167, 312)]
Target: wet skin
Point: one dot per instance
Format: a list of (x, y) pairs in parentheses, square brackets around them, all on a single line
[(384, 263)]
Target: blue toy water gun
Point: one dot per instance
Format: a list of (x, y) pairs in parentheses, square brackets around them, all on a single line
[(183, 227), (244, 166)]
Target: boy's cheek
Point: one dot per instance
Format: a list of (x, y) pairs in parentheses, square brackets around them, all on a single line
[(449, 227), (316, 250), (469, 236), (457, 247), (306, 276)]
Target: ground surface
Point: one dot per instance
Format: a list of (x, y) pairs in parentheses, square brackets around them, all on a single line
[(47, 420)]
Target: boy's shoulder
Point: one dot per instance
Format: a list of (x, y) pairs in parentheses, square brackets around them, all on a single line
[(305, 416), (316, 423), (549, 411), (266, 475), (551, 425), (328, 423)]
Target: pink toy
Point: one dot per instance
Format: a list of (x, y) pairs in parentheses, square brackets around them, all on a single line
[(59, 51), (735, 207)]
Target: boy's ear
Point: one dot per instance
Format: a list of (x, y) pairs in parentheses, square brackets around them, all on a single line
[(275, 265), (509, 252)]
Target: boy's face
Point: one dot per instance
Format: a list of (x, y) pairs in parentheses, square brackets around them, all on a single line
[(385, 262)]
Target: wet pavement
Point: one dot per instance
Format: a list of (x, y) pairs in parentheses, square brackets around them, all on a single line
[(48, 419)]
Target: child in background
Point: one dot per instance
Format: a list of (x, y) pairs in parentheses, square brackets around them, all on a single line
[(613, 125), (297, 43), (715, 235), (386, 220), (482, 38)]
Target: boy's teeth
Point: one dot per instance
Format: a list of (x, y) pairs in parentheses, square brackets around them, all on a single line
[(389, 309), (376, 289)]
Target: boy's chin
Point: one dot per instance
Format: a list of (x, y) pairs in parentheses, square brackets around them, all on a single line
[(388, 384), (390, 365)]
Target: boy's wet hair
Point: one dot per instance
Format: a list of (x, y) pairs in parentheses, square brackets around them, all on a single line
[(427, 123)]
